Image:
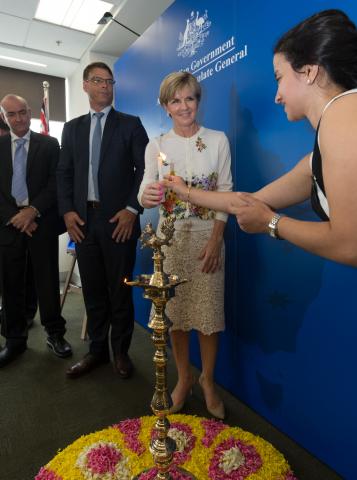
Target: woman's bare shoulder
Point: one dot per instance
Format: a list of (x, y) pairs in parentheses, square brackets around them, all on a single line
[(343, 109)]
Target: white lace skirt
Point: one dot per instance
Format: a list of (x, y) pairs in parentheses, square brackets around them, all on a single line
[(199, 303)]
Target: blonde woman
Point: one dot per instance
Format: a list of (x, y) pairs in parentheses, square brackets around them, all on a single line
[(202, 157)]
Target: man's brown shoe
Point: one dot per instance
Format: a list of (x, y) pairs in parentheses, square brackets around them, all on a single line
[(123, 365), (88, 363)]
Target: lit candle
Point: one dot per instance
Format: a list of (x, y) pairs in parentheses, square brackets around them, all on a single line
[(172, 168), (161, 160)]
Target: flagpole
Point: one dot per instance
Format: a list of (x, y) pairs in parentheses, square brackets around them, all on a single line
[(46, 106)]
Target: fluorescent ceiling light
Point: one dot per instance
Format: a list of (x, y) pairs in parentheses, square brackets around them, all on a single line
[(77, 14), (13, 59)]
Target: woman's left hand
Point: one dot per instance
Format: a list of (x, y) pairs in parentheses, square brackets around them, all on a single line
[(211, 256), (253, 216), (177, 184)]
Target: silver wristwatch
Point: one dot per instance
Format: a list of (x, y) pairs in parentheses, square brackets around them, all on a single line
[(273, 226)]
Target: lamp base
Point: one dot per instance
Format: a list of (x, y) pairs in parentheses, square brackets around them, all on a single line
[(187, 474)]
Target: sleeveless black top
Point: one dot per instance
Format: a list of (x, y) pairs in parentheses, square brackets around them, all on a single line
[(318, 196), (318, 187)]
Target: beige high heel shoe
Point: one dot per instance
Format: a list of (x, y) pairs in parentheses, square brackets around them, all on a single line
[(177, 407), (217, 410)]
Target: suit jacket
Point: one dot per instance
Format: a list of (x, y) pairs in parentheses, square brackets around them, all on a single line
[(121, 166), (41, 167)]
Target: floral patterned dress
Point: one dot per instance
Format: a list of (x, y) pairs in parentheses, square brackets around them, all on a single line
[(204, 162)]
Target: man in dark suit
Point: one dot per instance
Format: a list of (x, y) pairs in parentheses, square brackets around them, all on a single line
[(29, 226), (98, 177), (31, 295)]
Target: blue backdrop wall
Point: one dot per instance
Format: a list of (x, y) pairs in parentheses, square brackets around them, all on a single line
[(289, 347)]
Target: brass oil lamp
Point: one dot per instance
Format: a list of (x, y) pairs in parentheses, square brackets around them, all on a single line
[(159, 287)]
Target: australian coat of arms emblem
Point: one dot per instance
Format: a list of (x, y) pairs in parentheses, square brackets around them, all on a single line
[(194, 35)]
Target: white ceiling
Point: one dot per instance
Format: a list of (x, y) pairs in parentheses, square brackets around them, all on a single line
[(61, 48)]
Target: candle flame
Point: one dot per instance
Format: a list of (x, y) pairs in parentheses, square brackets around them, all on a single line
[(162, 159)]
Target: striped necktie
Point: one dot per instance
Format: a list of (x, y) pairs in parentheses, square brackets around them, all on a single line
[(95, 154), (18, 186)]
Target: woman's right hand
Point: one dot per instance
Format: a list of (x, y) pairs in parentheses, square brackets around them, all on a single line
[(177, 185), (153, 195)]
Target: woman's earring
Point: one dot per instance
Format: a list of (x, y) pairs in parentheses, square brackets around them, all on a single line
[(308, 81)]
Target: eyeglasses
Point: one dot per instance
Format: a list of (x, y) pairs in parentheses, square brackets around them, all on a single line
[(100, 81)]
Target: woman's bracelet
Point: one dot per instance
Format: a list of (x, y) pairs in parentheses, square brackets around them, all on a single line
[(273, 226)]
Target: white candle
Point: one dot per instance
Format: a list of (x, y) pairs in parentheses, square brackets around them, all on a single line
[(189, 178), (161, 160), (172, 168), (189, 184)]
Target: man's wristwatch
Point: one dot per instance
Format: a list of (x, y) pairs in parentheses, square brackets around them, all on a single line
[(38, 215), (273, 226)]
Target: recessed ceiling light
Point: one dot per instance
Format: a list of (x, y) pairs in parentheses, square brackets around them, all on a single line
[(13, 59), (77, 14)]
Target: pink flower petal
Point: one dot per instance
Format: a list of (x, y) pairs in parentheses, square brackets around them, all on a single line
[(212, 429), (251, 465), (103, 459), (45, 474)]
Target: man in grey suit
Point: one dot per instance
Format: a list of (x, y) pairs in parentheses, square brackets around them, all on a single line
[(29, 228), (98, 177)]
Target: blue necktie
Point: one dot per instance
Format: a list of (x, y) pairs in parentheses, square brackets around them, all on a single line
[(95, 157), (18, 186)]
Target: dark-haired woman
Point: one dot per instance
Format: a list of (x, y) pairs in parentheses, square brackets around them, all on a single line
[(316, 70)]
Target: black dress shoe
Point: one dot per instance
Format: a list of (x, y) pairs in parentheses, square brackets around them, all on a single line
[(8, 354), (123, 365), (59, 346), (88, 363)]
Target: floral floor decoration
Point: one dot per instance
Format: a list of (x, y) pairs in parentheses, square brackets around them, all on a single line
[(208, 449)]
